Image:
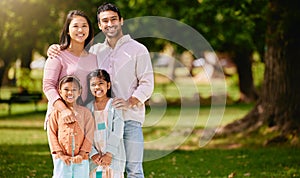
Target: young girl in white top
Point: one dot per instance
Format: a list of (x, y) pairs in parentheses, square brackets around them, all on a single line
[(108, 153)]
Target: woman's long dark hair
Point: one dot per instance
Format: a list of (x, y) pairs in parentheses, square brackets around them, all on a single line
[(102, 74), (65, 38)]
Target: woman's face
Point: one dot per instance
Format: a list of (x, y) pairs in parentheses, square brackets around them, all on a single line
[(79, 29), (99, 87)]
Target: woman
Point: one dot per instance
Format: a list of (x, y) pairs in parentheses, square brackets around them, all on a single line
[(73, 59)]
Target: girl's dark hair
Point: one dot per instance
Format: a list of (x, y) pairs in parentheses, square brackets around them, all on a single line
[(65, 38), (108, 7), (102, 74), (73, 79)]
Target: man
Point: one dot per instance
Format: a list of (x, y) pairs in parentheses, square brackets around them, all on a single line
[(129, 64)]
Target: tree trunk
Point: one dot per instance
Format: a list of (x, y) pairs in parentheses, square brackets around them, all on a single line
[(27, 57), (281, 97), (242, 59), (2, 69), (279, 103)]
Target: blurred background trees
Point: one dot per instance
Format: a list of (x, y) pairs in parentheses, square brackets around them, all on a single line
[(243, 31), (278, 106), (235, 29)]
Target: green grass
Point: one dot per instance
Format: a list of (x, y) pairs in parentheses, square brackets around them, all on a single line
[(242, 162), (24, 150)]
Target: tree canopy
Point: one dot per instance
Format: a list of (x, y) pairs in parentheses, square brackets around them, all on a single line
[(236, 27), (31, 24)]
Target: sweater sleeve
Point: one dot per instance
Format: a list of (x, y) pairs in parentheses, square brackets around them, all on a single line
[(88, 131), (94, 151), (52, 132), (145, 75), (116, 133), (50, 79)]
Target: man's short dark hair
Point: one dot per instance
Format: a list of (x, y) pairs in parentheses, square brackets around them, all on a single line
[(108, 7)]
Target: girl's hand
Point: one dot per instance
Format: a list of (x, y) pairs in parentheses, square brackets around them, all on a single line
[(77, 159), (106, 159), (65, 158), (96, 158)]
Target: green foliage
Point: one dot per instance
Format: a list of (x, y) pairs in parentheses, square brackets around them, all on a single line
[(258, 69), (27, 25), (232, 86), (24, 80), (221, 22), (225, 25)]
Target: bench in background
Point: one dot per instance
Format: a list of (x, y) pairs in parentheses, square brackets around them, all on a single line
[(23, 98)]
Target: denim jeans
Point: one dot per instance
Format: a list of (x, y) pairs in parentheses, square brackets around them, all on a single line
[(134, 148)]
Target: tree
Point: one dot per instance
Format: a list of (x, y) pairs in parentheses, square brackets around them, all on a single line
[(23, 31), (278, 106), (234, 27), (231, 26), (26, 27)]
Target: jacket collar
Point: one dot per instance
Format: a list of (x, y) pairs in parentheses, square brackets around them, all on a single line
[(121, 41)]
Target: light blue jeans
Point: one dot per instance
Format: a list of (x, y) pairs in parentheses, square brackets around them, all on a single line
[(61, 170), (134, 148)]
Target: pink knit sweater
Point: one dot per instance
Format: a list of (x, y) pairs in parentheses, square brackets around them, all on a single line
[(66, 64)]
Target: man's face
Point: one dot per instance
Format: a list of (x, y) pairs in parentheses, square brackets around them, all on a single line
[(110, 24)]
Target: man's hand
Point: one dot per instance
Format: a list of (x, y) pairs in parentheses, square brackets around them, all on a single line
[(133, 102), (53, 50), (120, 103)]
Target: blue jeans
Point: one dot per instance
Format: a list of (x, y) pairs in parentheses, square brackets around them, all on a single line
[(61, 170), (134, 148)]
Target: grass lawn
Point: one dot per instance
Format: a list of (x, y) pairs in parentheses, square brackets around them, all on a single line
[(24, 149)]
